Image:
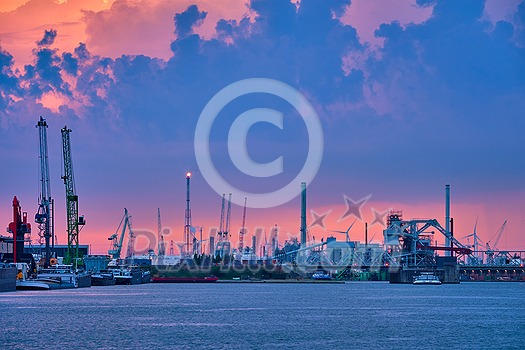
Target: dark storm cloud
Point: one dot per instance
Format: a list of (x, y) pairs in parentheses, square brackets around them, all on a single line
[(69, 64), (185, 21), (9, 83)]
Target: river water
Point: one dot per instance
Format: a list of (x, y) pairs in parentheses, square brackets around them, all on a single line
[(356, 315)]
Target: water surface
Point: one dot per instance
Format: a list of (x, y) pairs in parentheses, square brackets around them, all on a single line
[(356, 315)]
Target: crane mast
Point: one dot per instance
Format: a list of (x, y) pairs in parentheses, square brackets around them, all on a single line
[(161, 250), (73, 220), (221, 224), (43, 216), (227, 229), (241, 232)]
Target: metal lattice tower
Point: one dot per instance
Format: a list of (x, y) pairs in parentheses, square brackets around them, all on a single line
[(43, 216), (161, 249), (243, 228), (221, 224), (228, 216), (187, 223), (73, 220)]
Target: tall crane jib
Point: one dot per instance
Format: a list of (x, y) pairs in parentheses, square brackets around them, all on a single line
[(73, 220), (43, 216)]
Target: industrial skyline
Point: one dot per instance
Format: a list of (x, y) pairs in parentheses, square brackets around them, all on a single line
[(412, 95)]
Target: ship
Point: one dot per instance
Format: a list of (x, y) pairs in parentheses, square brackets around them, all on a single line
[(64, 276), (321, 276), (127, 274), (146, 276), (184, 280), (426, 278)]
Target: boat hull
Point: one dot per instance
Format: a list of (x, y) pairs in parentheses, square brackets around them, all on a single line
[(103, 280), (31, 285)]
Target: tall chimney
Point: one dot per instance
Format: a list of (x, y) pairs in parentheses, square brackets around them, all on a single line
[(254, 243), (447, 217), (303, 214)]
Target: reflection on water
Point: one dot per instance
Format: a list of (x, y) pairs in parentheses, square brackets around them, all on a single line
[(262, 316)]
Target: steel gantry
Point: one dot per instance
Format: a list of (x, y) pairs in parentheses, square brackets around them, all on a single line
[(409, 244)]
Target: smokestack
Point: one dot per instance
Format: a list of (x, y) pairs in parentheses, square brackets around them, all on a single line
[(447, 217), (366, 235), (303, 214), (254, 241)]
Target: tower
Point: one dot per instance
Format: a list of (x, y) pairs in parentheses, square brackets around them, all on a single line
[(187, 220), (303, 214)]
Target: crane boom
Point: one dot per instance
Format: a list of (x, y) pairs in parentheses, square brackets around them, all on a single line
[(500, 231), (73, 220)]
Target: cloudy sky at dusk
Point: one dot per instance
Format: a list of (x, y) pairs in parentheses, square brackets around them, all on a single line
[(412, 95)]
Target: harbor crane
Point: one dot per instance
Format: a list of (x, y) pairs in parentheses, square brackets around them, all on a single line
[(116, 241), (223, 242), (491, 251), (44, 215), (73, 220), (499, 232)]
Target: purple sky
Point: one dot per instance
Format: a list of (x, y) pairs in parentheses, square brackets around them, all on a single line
[(411, 96)]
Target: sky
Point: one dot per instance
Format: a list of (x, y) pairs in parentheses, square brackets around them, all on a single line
[(411, 96)]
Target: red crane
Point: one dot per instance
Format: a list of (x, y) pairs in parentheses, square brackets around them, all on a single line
[(19, 227)]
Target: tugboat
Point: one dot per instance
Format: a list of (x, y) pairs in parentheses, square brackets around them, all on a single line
[(427, 278)]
